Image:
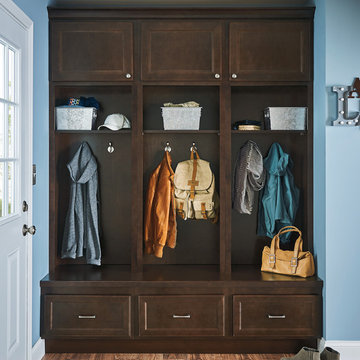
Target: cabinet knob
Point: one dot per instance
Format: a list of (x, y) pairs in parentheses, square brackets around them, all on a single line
[(217, 76), (128, 76), (234, 76)]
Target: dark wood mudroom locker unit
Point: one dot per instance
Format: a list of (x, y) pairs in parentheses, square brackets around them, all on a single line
[(208, 294)]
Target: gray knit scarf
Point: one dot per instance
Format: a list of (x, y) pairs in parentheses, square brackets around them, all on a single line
[(249, 176)]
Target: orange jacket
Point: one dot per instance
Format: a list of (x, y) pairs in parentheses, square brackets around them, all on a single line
[(160, 212)]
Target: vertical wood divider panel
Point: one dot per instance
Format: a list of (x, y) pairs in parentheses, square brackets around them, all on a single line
[(52, 168), (52, 183), (310, 147), (137, 154), (225, 180), (309, 196), (137, 188), (225, 162)]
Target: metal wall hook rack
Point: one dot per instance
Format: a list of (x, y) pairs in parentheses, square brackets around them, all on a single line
[(167, 147), (110, 148)]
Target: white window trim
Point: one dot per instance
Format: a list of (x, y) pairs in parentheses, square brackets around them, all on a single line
[(18, 15)]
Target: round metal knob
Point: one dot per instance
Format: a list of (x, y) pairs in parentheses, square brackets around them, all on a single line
[(128, 76), (217, 76), (110, 148), (234, 76), (28, 230)]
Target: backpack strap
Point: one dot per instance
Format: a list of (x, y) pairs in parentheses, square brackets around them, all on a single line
[(192, 155), (216, 218), (203, 211), (180, 210), (193, 181)]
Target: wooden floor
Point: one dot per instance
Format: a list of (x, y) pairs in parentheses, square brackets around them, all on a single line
[(164, 356)]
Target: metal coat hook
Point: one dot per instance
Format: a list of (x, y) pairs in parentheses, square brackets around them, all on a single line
[(167, 147), (193, 147), (110, 148)]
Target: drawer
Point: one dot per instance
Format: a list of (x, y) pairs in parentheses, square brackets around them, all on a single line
[(200, 315), (87, 316), (285, 315)]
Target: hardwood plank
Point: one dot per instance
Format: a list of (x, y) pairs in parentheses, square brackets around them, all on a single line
[(66, 356)]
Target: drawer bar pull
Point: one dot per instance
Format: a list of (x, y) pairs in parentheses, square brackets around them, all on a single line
[(276, 316), (87, 316), (188, 316)]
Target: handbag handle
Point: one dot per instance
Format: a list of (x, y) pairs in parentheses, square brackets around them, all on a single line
[(298, 243), (275, 244)]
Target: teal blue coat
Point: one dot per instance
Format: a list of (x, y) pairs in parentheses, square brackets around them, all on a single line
[(279, 199)]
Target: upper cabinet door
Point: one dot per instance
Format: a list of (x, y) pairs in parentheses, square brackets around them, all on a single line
[(181, 50), (270, 50), (91, 51)]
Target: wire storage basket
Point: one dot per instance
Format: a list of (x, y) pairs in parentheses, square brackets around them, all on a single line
[(75, 118), (181, 118)]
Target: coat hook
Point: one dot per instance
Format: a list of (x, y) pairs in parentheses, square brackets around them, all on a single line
[(167, 147), (110, 148), (193, 147)]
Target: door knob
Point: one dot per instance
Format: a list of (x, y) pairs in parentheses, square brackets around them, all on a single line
[(128, 76), (31, 230), (217, 76), (234, 76)]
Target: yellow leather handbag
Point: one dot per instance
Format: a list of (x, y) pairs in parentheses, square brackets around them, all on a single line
[(295, 263)]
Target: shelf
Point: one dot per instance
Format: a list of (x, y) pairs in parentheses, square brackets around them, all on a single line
[(92, 132), (208, 274), (181, 132), (259, 132), (249, 83)]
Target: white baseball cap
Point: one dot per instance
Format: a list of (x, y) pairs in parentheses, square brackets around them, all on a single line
[(115, 122)]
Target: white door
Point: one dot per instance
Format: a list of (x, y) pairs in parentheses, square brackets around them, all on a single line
[(15, 180)]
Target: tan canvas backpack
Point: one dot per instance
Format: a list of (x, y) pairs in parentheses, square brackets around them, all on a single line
[(195, 193)]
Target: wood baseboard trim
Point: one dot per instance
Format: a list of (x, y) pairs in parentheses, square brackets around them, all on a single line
[(177, 346)]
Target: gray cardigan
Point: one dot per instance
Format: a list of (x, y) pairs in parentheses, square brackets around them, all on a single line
[(249, 176), (82, 223)]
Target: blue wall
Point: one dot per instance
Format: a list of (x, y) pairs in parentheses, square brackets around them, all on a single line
[(342, 177), (36, 10)]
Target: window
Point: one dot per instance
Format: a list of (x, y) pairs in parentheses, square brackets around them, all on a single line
[(9, 132)]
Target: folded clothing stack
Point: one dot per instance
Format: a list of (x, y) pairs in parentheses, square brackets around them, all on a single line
[(84, 102), (185, 105), (247, 125)]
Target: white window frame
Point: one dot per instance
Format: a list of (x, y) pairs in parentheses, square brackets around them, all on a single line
[(16, 103)]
